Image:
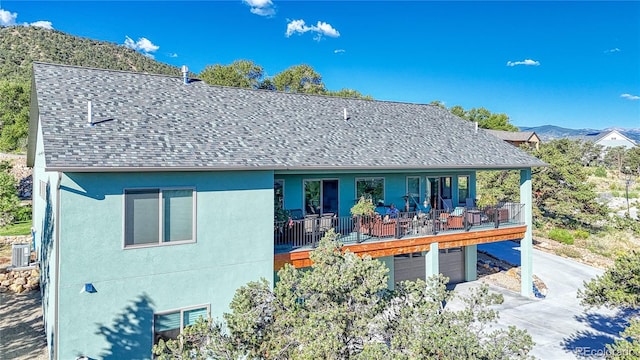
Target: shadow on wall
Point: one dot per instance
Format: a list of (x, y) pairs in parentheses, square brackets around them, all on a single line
[(130, 335), (46, 248)]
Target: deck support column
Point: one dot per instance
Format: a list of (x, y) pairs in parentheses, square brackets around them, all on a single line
[(432, 265), (389, 263), (526, 243), (471, 262)]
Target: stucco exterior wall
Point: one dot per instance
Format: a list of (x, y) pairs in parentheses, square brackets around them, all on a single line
[(234, 222), (44, 203)]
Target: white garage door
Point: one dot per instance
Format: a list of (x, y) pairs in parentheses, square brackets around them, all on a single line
[(452, 264), (408, 267)]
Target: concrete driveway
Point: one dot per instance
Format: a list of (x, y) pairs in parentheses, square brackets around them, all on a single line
[(558, 324)]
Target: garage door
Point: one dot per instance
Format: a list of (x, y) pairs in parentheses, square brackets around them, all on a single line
[(452, 264), (408, 267)]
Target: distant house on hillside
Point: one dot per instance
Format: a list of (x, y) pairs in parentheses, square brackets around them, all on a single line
[(609, 139), (517, 138)]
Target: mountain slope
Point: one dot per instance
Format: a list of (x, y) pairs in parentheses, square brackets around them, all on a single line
[(550, 132), (21, 45)]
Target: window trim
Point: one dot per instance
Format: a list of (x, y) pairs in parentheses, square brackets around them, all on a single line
[(160, 216), (181, 310)]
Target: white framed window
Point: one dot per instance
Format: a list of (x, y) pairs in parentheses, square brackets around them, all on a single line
[(43, 190), (168, 325), (370, 188), (413, 191), (159, 216), (463, 189), (321, 196)]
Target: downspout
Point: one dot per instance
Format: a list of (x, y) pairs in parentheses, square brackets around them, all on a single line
[(56, 335)]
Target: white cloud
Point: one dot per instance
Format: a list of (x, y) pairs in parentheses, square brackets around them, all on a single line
[(527, 62), (42, 24), (143, 45), (630, 97), (321, 29), (339, 51), (261, 7), (612, 50), (172, 55), (7, 18)]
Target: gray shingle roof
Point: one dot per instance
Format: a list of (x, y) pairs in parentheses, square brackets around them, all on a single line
[(511, 135), (149, 121)]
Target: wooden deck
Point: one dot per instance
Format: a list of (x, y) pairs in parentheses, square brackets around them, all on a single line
[(379, 248)]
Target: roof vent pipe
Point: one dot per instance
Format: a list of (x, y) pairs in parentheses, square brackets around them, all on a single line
[(185, 74), (476, 126), (89, 114), (345, 115)]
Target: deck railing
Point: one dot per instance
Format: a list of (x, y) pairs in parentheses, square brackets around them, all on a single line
[(307, 232)]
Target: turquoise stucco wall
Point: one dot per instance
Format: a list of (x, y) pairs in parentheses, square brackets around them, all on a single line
[(234, 222), (43, 222), (395, 186)]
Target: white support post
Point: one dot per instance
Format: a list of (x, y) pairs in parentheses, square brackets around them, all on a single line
[(526, 244), (471, 262), (432, 265)]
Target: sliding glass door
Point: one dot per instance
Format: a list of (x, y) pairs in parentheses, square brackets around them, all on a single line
[(320, 197)]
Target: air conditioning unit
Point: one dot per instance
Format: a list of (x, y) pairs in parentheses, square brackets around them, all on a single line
[(20, 254)]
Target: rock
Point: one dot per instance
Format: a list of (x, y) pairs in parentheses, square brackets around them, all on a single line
[(3, 277), (20, 281), (35, 273), (16, 288), (486, 266), (33, 282), (6, 283)]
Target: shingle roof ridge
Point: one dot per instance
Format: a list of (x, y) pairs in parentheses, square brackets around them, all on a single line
[(105, 70), (232, 87)]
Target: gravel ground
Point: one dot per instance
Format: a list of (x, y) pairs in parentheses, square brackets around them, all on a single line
[(22, 334)]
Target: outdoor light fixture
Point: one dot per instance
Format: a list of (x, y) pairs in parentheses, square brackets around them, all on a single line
[(88, 287)]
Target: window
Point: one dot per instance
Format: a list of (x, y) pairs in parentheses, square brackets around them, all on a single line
[(43, 189), (413, 191), (463, 189), (321, 196), (158, 216), (370, 188), (168, 325)]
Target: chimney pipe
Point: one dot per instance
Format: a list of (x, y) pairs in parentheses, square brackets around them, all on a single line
[(185, 74), (89, 114)]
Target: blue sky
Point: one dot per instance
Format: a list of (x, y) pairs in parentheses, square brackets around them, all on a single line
[(570, 64)]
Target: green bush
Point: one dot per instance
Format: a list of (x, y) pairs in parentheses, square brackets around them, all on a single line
[(633, 195), (581, 234), (561, 235), (615, 193), (600, 172), (23, 213)]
